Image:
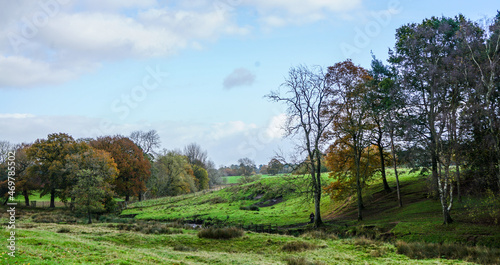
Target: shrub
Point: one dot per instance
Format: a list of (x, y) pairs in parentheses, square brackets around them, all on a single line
[(221, 233), (217, 199), (63, 230), (418, 250), (296, 246)]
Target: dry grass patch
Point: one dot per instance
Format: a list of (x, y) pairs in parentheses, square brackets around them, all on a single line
[(221, 233)]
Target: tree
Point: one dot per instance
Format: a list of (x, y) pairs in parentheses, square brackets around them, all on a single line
[(306, 95), (386, 103), (24, 181), (351, 124), (341, 162), (247, 166), (481, 54), (274, 167), (49, 160), (425, 57), (147, 141), (201, 175), (5, 147), (195, 155), (172, 175), (134, 168), (93, 171)]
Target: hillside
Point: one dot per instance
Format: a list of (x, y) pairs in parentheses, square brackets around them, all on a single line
[(45, 236)]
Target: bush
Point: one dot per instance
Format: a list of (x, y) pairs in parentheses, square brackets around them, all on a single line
[(296, 246), (418, 250), (63, 230), (221, 233)]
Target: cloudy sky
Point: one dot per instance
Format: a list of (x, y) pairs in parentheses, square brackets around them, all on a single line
[(195, 71)]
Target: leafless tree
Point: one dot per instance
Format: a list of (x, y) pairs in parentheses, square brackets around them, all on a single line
[(147, 141), (306, 94)]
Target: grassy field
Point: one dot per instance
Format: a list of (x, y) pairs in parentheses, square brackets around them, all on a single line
[(106, 243), (234, 179), (57, 237)]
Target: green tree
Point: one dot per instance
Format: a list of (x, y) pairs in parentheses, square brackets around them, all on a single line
[(49, 161), (274, 167), (201, 175)]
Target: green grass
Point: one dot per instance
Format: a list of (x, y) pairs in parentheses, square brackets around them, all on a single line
[(103, 244), (234, 179)]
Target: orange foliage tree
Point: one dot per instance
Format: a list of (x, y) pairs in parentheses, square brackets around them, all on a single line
[(340, 161), (134, 168), (351, 128)]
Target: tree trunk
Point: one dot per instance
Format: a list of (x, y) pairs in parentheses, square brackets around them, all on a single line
[(358, 186), (26, 197), (457, 172), (434, 192), (127, 198), (446, 216), (395, 164), (140, 196), (382, 169), (317, 190), (53, 199), (90, 219)]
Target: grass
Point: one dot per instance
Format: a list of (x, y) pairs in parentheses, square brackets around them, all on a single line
[(100, 243), (235, 179), (152, 237)]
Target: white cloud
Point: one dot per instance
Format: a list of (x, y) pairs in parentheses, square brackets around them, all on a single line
[(16, 115), (70, 43), (239, 77), (275, 129), (278, 13), (20, 71)]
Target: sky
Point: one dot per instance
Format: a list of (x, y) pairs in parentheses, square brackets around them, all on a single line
[(195, 71)]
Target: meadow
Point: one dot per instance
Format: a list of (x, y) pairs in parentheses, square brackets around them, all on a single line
[(160, 231)]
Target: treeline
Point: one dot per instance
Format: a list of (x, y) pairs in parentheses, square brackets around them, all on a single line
[(434, 105), (89, 173)]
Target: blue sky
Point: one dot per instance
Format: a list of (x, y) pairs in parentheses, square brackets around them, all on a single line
[(195, 71)]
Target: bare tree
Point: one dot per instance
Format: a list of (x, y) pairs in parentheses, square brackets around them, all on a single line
[(196, 155), (5, 147), (306, 94), (147, 141)]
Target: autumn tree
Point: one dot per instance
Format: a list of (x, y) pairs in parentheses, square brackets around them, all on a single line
[(93, 173), (340, 160), (306, 94), (133, 167), (49, 158), (351, 126)]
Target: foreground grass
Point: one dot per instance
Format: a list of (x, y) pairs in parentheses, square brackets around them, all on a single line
[(102, 243)]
